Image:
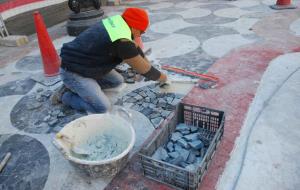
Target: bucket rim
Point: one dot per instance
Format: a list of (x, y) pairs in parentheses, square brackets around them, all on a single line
[(68, 156)]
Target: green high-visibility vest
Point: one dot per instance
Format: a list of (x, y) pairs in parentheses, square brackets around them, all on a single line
[(117, 28)]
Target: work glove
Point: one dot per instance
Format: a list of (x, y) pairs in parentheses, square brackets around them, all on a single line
[(164, 81)]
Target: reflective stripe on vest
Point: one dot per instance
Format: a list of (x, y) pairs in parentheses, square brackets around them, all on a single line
[(117, 28)]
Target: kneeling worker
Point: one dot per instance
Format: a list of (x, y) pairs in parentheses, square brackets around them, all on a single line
[(88, 62)]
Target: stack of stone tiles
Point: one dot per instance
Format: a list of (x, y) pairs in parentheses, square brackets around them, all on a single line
[(150, 102), (185, 148)]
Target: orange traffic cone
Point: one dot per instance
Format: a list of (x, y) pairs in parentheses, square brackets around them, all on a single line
[(283, 4), (51, 61)]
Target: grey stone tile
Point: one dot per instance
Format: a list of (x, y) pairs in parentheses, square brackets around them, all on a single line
[(176, 136), (185, 154), (192, 158), (191, 137), (183, 164), (174, 154), (176, 160), (154, 115), (196, 144), (157, 121), (194, 129), (186, 132), (131, 100), (160, 154), (191, 167), (182, 127), (182, 143), (170, 147)]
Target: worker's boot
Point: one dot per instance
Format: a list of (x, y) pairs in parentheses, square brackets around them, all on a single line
[(57, 94)]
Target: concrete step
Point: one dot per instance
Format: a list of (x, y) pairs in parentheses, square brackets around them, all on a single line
[(14, 40)]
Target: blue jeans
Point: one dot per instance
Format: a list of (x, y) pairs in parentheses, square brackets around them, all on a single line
[(86, 93)]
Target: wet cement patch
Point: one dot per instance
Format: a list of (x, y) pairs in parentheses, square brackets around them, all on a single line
[(28, 167), (210, 20), (30, 63), (18, 87), (197, 61), (203, 33), (34, 113)]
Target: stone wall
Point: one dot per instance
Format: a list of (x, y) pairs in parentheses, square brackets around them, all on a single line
[(23, 24)]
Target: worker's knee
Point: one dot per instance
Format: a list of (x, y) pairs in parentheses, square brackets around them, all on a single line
[(102, 107), (117, 81), (66, 98)]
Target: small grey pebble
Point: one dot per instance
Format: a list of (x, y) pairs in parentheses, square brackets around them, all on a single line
[(39, 89)]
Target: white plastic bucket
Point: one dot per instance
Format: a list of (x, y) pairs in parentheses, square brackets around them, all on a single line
[(81, 129)]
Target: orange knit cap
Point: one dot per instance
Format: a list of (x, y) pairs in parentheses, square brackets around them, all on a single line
[(136, 18)]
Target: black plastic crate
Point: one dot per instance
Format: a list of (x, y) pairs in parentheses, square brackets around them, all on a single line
[(211, 123)]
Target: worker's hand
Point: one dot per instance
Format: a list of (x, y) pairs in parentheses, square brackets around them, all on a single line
[(163, 80), (163, 77)]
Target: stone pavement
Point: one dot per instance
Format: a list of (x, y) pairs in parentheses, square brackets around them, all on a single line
[(234, 40)]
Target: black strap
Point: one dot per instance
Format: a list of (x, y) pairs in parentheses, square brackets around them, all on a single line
[(152, 74)]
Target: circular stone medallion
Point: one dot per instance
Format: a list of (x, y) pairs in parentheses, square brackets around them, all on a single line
[(28, 166)]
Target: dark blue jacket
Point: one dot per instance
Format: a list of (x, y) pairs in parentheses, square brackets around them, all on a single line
[(90, 54)]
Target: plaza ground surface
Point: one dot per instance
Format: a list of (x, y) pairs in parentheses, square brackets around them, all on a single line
[(252, 49)]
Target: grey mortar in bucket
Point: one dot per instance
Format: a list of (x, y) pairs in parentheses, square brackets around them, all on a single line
[(98, 144), (102, 147)]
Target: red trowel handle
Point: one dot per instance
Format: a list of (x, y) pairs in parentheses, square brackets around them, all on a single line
[(190, 73)]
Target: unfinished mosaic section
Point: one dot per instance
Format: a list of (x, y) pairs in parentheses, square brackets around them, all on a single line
[(148, 100), (34, 113)]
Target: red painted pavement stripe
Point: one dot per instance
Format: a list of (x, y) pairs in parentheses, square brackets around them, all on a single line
[(15, 3)]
